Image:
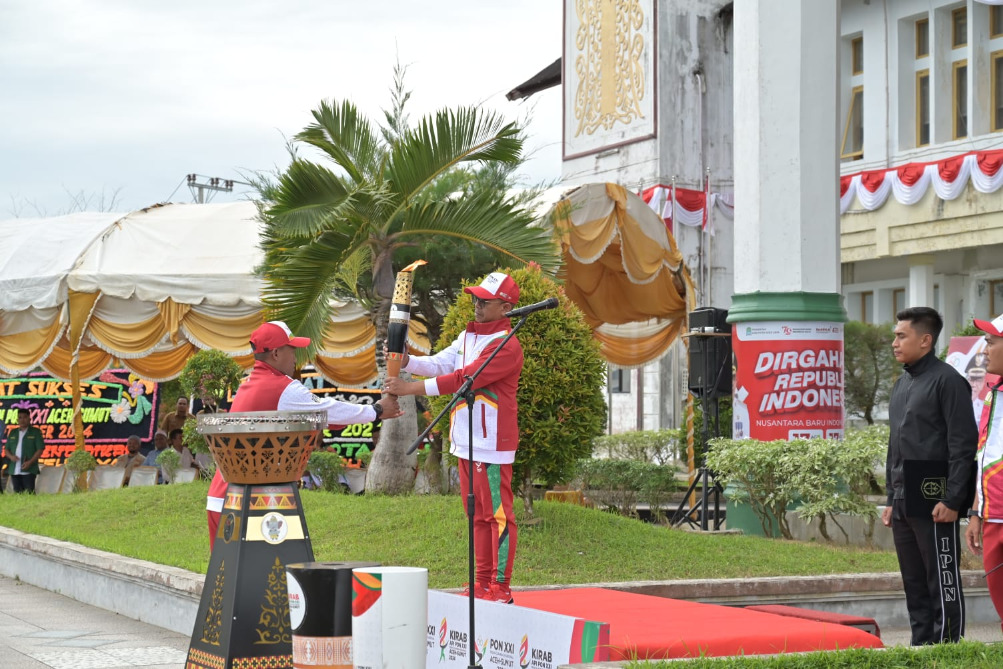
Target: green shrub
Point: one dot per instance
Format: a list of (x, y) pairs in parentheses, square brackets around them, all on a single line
[(561, 404), (870, 368), (170, 462), (328, 466), (209, 375), (826, 476), (656, 446), (80, 461), (618, 485)]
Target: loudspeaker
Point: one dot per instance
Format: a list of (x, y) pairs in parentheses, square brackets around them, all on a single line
[(710, 353)]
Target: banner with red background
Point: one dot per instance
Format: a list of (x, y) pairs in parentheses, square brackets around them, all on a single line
[(788, 380)]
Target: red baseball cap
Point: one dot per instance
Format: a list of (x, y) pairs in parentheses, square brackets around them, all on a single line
[(993, 327), (273, 335), (496, 286)]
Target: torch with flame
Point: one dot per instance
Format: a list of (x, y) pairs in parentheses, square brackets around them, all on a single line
[(400, 316)]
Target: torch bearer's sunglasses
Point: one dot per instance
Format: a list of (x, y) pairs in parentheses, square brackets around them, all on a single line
[(481, 302)]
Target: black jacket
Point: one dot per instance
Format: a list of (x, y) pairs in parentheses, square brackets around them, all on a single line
[(931, 418)]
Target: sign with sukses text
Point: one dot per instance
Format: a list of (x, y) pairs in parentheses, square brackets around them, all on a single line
[(788, 380), (115, 406)]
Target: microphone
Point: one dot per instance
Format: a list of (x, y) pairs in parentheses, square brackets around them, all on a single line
[(548, 303)]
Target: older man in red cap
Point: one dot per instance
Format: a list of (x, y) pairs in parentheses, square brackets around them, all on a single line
[(496, 426), (985, 520), (271, 387)]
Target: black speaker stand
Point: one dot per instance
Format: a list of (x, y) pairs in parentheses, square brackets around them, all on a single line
[(705, 478)]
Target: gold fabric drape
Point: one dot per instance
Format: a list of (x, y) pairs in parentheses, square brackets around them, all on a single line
[(23, 350), (622, 266), (172, 313)]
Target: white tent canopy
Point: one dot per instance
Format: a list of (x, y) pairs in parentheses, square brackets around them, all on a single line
[(79, 293)]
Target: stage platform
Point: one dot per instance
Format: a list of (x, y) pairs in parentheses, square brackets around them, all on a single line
[(647, 627)]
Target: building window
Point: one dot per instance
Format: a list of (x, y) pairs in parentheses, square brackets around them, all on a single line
[(959, 88), (853, 132), (619, 380), (866, 306), (922, 38), (857, 55), (922, 107), (995, 296), (996, 21), (959, 27), (898, 302), (997, 89)]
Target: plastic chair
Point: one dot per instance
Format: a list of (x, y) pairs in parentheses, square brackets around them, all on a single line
[(68, 479), (143, 476), (49, 480), (185, 475), (107, 477)]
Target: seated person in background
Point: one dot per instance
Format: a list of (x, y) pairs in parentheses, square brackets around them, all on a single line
[(187, 460), (131, 459), (160, 443)]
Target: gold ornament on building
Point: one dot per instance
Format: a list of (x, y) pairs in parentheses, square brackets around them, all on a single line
[(608, 65)]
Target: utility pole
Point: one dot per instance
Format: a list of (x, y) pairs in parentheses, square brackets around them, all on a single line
[(198, 188)]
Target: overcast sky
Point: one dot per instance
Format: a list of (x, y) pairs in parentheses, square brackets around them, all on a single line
[(100, 96)]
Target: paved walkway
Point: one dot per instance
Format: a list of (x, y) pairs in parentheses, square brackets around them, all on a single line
[(41, 630)]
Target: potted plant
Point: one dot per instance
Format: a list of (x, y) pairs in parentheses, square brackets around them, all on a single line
[(170, 463), (209, 375), (78, 464)]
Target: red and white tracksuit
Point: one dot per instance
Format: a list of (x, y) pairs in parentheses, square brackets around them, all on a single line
[(268, 389), (989, 495), (495, 435)]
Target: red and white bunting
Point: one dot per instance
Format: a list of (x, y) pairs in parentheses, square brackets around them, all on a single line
[(690, 205), (909, 182)]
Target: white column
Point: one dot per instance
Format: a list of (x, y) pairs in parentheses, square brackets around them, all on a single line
[(951, 298), (920, 281), (786, 176)]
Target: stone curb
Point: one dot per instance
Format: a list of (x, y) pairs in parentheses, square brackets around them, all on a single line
[(156, 594)]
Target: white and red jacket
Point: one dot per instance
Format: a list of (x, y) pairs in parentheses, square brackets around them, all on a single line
[(989, 489), (268, 389), (496, 411)]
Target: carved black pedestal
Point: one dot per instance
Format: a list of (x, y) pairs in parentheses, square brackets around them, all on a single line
[(243, 618)]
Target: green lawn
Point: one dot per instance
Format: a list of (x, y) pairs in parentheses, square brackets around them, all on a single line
[(567, 544), (964, 655)]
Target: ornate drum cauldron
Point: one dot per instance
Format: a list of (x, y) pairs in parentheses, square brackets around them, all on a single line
[(261, 447)]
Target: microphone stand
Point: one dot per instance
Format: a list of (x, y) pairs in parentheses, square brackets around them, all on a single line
[(466, 392)]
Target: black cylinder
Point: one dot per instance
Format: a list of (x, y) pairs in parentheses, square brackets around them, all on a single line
[(321, 605)]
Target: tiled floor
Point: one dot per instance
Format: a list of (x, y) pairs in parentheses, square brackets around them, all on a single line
[(41, 629)]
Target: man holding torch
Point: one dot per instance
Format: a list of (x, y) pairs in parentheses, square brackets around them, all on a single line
[(495, 429)]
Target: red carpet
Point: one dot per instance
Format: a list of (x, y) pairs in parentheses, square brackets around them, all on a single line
[(646, 627)]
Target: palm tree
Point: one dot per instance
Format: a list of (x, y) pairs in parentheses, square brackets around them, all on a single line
[(320, 221)]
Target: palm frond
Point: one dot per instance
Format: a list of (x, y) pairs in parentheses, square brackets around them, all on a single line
[(449, 138), (299, 282), (347, 137), (310, 199), (350, 273), (484, 218)]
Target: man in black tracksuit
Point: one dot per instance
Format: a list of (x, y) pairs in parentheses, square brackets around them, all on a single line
[(931, 418)]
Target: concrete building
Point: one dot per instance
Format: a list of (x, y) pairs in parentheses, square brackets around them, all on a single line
[(921, 118), (921, 82), (668, 121)]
